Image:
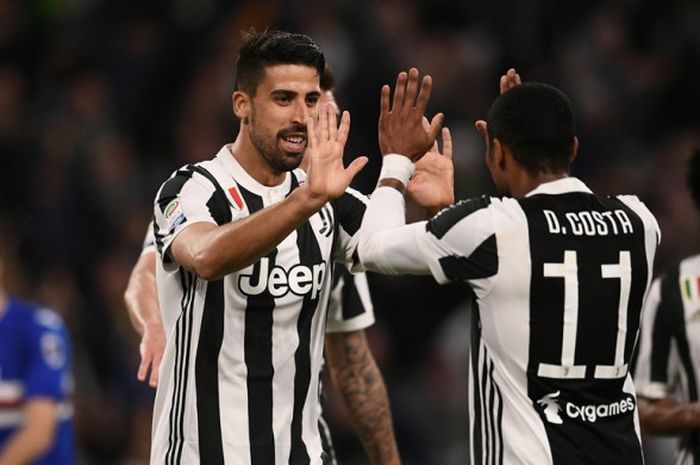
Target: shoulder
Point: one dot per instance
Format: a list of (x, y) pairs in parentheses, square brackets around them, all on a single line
[(449, 217)]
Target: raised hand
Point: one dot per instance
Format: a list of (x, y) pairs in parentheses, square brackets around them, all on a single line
[(509, 80), (432, 184), (401, 127), (327, 177)]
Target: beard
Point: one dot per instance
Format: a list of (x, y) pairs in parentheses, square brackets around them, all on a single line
[(266, 144)]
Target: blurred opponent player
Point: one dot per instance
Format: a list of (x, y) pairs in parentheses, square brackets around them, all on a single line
[(350, 361), (36, 415), (668, 366), (559, 275)]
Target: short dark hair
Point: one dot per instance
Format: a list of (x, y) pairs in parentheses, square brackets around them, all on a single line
[(693, 177), (269, 48), (536, 121)]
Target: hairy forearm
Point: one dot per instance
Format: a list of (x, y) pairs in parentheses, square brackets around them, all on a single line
[(360, 384), (665, 416), (140, 296)]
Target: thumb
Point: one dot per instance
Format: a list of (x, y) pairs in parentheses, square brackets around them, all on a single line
[(356, 166)]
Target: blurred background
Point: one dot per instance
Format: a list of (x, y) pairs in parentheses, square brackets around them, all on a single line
[(101, 100)]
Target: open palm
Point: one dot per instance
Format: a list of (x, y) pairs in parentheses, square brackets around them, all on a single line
[(432, 184)]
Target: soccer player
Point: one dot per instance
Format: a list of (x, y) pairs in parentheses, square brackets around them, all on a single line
[(558, 273), (36, 425), (245, 245), (352, 366), (666, 374)]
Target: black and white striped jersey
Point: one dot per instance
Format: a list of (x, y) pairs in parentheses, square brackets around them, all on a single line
[(668, 363), (239, 380), (559, 278)]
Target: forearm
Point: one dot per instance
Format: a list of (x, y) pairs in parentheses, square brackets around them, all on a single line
[(665, 416), (140, 296), (360, 384), (219, 251), (35, 436)]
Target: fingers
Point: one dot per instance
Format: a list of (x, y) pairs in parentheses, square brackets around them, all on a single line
[(332, 121), (411, 88), (384, 100), (424, 96), (344, 128), (311, 136), (480, 126), (323, 125), (143, 368), (446, 143), (435, 126), (509, 80), (155, 368), (356, 166), (399, 90)]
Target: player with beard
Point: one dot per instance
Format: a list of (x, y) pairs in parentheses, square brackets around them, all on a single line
[(245, 248)]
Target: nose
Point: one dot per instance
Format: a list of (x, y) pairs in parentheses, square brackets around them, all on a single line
[(301, 111)]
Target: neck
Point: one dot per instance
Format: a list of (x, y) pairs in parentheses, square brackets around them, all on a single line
[(253, 162), (524, 181)]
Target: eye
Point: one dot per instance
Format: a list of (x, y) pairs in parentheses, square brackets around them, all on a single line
[(283, 99), (312, 101)]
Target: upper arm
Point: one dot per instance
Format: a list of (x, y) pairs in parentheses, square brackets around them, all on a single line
[(182, 201), (349, 210)]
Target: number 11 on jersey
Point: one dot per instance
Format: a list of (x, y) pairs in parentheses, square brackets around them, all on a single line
[(569, 271)]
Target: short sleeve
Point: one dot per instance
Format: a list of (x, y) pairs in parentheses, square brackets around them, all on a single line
[(350, 306), (182, 200), (459, 244), (349, 210), (49, 357), (149, 242)]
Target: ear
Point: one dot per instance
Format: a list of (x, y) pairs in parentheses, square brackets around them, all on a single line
[(574, 150), (499, 154), (241, 102)]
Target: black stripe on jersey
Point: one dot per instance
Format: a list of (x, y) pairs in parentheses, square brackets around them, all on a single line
[(182, 351), (477, 412), (211, 335), (482, 263), (349, 211), (447, 218), (218, 204), (310, 256), (352, 304), (170, 190), (670, 317), (257, 347)]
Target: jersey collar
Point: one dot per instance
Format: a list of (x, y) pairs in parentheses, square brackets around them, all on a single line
[(241, 176), (560, 186)]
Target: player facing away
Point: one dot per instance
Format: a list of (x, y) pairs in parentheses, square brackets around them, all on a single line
[(558, 273), (36, 414), (668, 364)]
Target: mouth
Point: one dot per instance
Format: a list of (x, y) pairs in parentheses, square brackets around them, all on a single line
[(293, 142)]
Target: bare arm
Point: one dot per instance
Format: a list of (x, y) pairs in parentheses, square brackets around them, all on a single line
[(212, 251), (665, 416), (141, 298), (360, 384), (35, 436)]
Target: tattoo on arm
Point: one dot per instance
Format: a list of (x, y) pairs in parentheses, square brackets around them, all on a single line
[(357, 378)]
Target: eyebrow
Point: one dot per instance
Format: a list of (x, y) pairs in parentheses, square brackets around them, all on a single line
[(291, 94)]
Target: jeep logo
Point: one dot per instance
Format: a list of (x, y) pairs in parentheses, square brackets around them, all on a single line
[(299, 279)]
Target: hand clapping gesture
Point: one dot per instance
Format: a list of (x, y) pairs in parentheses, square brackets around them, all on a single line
[(401, 129), (327, 177), (432, 184)]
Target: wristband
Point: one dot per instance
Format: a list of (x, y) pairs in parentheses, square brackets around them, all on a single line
[(397, 167)]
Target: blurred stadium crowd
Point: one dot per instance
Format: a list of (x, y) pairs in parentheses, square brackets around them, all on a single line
[(101, 100)]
